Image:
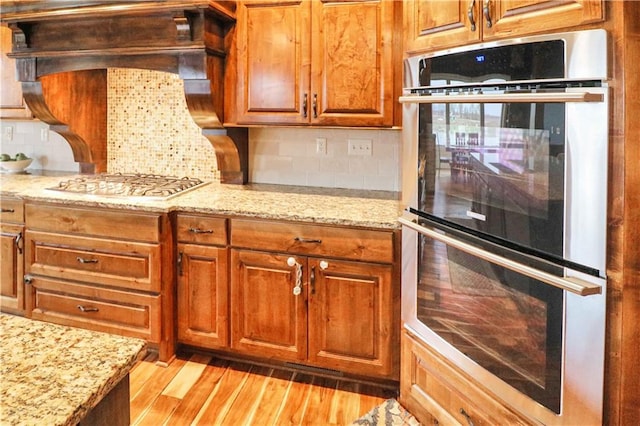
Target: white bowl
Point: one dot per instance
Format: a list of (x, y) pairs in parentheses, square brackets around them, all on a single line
[(15, 166)]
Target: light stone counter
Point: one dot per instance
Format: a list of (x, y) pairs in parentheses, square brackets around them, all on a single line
[(54, 375), (375, 209)]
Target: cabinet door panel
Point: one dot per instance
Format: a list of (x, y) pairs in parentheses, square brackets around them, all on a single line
[(351, 316), (202, 296), (11, 269), (267, 318), (435, 24), (352, 63), (12, 104), (273, 56), (520, 17)]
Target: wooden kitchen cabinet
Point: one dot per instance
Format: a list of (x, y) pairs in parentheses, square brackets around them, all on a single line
[(437, 24), (315, 63), (438, 393), (202, 280), (101, 269), (319, 295), (268, 319), (12, 255), (12, 105)]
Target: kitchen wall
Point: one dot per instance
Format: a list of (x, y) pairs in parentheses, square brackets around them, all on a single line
[(33, 138), (150, 131)]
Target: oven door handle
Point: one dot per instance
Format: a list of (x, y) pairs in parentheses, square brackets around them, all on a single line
[(572, 284), (556, 97)]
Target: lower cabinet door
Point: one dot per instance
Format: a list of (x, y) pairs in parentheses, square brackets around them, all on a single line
[(203, 296), (11, 269), (351, 317), (269, 317)]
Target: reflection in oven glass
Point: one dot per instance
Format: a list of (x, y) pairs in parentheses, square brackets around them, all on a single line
[(507, 323)]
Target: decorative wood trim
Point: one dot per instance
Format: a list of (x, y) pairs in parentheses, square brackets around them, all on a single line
[(186, 38)]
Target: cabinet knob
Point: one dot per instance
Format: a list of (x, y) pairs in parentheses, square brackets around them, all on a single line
[(324, 264), (27, 279)]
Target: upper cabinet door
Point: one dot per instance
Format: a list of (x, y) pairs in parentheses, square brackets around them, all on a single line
[(352, 63), (431, 24), (503, 18), (12, 104), (273, 62), (315, 62), (440, 24)]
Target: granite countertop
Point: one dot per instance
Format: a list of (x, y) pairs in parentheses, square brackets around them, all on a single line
[(54, 375), (375, 209)]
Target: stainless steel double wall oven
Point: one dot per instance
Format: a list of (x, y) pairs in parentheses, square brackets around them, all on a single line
[(504, 233)]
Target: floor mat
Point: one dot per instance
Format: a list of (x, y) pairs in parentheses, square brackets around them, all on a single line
[(389, 413)]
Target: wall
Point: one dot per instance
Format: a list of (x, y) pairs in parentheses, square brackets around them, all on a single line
[(150, 131), (33, 138)]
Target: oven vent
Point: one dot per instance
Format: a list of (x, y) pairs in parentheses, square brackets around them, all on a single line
[(64, 48)]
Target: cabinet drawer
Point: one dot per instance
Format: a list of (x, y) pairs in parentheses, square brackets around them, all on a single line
[(201, 229), (98, 222), (444, 392), (318, 240), (130, 265), (12, 210), (108, 310)]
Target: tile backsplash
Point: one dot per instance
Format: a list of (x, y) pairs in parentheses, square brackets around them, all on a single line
[(150, 130)]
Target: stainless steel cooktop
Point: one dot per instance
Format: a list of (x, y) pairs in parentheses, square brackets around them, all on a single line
[(146, 186)]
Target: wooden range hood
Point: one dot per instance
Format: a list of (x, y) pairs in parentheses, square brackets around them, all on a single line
[(63, 49)]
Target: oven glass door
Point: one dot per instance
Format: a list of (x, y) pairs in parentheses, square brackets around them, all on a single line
[(509, 324), (497, 168)]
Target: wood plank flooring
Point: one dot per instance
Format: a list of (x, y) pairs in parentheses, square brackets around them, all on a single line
[(199, 389)]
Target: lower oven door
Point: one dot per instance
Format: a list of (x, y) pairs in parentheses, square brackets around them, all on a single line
[(533, 338)]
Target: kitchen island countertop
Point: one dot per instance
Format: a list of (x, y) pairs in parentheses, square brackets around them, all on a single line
[(375, 209), (54, 375)]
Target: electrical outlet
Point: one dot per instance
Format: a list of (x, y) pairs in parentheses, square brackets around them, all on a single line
[(7, 133), (44, 135), (321, 146), (359, 147)]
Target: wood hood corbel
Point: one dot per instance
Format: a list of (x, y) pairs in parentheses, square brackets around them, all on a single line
[(64, 48)]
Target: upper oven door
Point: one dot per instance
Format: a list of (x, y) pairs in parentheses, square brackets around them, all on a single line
[(525, 169)]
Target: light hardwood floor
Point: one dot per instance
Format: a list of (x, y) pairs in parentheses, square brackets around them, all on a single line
[(203, 390)]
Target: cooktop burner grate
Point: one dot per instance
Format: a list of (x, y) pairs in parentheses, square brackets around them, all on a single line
[(148, 186)]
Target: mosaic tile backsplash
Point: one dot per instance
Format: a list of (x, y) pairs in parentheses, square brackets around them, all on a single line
[(150, 130)]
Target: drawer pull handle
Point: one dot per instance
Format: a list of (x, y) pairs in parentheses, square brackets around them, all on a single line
[(88, 309), (200, 231), (297, 288), (82, 260), (467, 417), (308, 240), (8, 211)]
